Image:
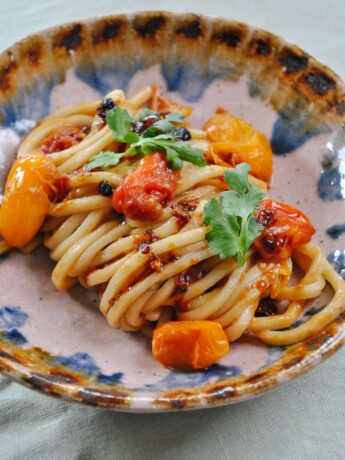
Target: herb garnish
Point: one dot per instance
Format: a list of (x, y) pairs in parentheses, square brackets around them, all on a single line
[(233, 226), (159, 136)]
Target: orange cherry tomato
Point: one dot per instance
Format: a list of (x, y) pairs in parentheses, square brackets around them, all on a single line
[(189, 345), (29, 189), (235, 141), (142, 194), (285, 229)]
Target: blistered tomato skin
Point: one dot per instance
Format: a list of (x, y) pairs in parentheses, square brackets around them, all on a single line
[(189, 345), (143, 193), (235, 141), (29, 189), (285, 229)]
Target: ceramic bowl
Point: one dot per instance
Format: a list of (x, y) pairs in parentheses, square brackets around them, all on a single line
[(58, 342)]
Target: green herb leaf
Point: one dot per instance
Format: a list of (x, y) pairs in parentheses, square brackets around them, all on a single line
[(103, 160), (163, 143), (131, 138), (151, 132), (174, 159), (119, 121), (166, 124), (233, 227), (223, 235)]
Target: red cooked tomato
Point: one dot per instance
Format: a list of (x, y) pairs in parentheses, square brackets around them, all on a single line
[(189, 345), (63, 140), (142, 194), (285, 229)]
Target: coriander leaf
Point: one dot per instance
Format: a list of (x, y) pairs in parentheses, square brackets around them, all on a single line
[(119, 121), (103, 160), (234, 207), (173, 158), (148, 147), (238, 178), (166, 124), (188, 153), (233, 202), (250, 230), (151, 132), (183, 150), (223, 235), (131, 138)]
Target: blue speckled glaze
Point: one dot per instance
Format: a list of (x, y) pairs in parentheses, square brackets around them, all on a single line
[(105, 78), (85, 364), (192, 379), (336, 231), (331, 185), (187, 79), (28, 107), (292, 129), (12, 317), (337, 259), (14, 336)]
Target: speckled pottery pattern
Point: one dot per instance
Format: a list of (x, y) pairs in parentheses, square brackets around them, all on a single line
[(58, 342)]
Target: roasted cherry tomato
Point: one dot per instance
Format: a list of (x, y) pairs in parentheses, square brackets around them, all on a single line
[(189, 345), (285, 229), (28, 192), (63, 139), (235, 141), (142, 194)]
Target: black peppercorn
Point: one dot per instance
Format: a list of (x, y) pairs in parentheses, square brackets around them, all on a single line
[(182, 133), (105, 106), (105, 189)]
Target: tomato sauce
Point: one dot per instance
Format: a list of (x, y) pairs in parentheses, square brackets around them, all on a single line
[(144, 193), (285, 229)]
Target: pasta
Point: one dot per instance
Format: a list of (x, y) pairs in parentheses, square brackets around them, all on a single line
[(151, 271)]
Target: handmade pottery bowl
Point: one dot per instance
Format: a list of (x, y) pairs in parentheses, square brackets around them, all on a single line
[(58, 342)]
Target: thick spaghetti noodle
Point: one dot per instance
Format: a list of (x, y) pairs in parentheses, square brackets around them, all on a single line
[(149, 272)]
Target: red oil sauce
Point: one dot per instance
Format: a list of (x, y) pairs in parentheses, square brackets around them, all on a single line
[(276, 275), (63, 139), (143, 194), (261, 286)]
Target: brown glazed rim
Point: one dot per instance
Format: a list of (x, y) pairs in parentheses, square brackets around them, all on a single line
[(299, 76)]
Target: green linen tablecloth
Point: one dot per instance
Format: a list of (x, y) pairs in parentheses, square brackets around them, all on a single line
[(302, 420)]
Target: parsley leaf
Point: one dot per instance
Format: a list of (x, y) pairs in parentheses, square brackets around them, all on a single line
[(103, 160), (120, 122), (233, 227)]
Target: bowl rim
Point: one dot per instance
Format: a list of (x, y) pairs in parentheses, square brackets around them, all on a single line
[(205, 395)]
